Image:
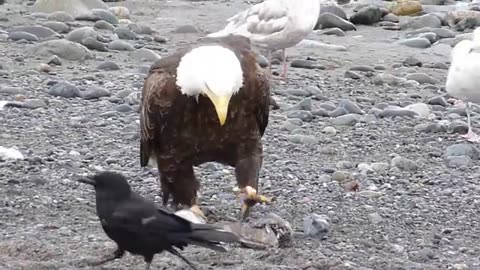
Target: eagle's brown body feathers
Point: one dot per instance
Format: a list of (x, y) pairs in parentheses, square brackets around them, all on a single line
[(181, 132)]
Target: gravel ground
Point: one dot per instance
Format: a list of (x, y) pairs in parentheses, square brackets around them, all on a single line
[(417, 204)]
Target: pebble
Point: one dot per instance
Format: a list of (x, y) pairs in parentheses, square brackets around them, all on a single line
[(120, 12), (329, 131), (12, 90), (421, 256), (375, 218), (335, 31), (350, 106), (94, 93), (380, 167), (64, 89), (412, 61), (362, 68), (103, 14), (307, 64), (346, 120), (460, 266), (391, 18), (438, 100), (462, 149), (145, 55), (337, 112), (120, 45), (58, 27), (367, 15), (81, 33), (123, 108), (458, 161), (316, 225), (43, 68), (329, 20), (421, 109), (404, 164), (408, 7), (352, 75), (397, 112), (140, 28), (332, 9), (93, 44), (304, 104), (104, 25), (390, 79), (416, 42), (422, 78), (303, 115), (62, 48), (340, 176), (19, 35), (108, 65), (60, 16), (427, 20), (40, 32), (124, 33), (302, 139), (186, 29)]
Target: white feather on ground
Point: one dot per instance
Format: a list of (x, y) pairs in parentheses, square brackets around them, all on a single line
[(10, 153), (274, 24), (463, 77), (3, 103)]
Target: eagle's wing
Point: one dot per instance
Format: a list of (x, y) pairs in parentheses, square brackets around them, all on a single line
[(156, 102), (263, 108)]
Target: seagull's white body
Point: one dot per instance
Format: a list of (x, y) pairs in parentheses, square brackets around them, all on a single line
[(274, 24), (463, 80)]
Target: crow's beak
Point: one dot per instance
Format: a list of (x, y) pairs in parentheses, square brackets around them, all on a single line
[(87, 181)]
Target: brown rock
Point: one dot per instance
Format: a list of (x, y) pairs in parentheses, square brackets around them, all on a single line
[(406, 7)]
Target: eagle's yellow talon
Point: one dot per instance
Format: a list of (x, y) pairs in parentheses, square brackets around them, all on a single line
[(250, 198), (263, 199), (195, 209)]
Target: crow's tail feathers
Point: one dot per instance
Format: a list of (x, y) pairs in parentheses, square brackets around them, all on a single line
[(209, 236)]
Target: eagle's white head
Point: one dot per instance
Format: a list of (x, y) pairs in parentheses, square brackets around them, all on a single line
[(214, 71)]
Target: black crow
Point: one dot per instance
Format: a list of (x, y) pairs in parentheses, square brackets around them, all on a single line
[(141, 227)]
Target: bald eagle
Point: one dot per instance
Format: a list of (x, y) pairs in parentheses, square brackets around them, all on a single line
[(202, 104)]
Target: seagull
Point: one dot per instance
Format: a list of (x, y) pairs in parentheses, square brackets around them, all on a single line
[(463, 77), (274, 25)]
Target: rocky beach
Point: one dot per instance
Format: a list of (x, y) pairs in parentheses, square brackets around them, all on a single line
[(363, 155)]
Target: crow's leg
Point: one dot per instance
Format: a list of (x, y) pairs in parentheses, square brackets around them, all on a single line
[(176, 253), (184, 189), (148, 261), (247, 172), (117, 254)]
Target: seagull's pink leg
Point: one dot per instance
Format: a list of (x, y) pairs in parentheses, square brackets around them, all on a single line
[(470, 136), (269, 59), (284, 65)]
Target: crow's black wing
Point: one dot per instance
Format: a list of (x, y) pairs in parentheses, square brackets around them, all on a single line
[(141, 215)]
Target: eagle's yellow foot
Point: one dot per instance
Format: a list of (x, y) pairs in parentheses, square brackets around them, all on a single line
[(250, 198), (195, 209)]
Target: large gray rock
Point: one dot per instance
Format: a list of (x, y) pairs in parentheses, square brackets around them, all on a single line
[(62, 48), (72, 7)]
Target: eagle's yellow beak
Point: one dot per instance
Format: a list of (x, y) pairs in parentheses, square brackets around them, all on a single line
[(221, 106)]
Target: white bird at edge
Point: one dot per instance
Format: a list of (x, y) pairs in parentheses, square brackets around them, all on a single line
[(463, 79), (274, 25)]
